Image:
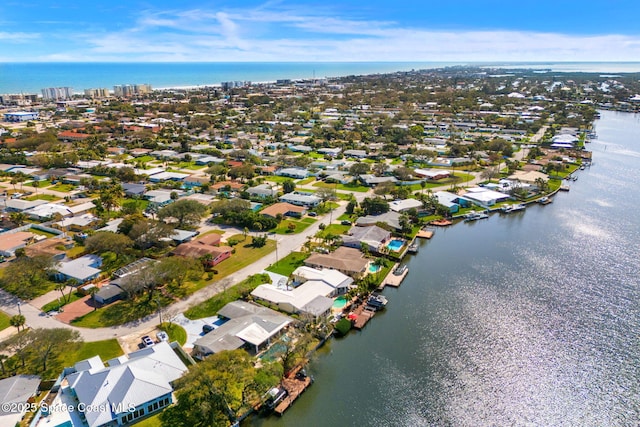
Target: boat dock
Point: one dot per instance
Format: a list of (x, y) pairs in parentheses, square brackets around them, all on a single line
[(392, 279), (425, 234), (295, 386), (362, 316)]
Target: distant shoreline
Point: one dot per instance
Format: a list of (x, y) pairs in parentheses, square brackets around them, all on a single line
[(32, 77)]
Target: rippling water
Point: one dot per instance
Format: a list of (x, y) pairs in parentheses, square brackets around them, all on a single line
[(531, 319)]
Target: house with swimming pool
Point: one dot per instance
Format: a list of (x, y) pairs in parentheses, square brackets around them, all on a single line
[(311, 293), (372, 237), (346, 260)]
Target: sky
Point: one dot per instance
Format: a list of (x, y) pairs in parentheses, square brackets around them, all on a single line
[(302, 30)]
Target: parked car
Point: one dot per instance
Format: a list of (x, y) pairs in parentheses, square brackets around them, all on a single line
[(345, 222), (147, 341), (162, 336), (312, 214), (206, 328)]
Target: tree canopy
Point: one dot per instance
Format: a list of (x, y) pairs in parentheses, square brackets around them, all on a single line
[(186, 212)]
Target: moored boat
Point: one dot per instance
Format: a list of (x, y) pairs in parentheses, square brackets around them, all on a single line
[(474, 216), (545, 200)]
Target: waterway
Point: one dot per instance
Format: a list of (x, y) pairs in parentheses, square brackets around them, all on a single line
[(530, 319)]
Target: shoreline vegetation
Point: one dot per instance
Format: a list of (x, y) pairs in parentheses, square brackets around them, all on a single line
[(164, 194)]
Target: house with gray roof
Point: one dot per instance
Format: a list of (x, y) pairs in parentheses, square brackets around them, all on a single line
[(15, 392), (263, 191), (80, 269), (373, 237), (249, 325), (371, 180), (390, 218), (127, 389), (300, 199), (297, 173)]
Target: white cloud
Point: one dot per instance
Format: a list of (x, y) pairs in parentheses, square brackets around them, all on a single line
[(18, 37), (275, 33)]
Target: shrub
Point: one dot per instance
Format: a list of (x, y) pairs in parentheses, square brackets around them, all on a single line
[(343, 326)]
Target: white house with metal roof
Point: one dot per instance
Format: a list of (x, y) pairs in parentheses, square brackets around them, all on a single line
[(249, 326), (126, 389)]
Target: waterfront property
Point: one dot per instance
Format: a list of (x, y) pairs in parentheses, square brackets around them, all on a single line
[(128, 388), (247, 325), (346, 260)]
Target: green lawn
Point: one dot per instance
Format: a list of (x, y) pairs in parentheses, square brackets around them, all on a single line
[(335, 229), (307, 180), (283, 227), (286, 265), (107, 349), (121, 312), (145, 159), (175, 332), (211, 306), (4, 320), (75, 251), (153, 421), (344, 217), (47, 197), (343, 187), (64, 188), (279, 179), (130, 310), (43, 184)]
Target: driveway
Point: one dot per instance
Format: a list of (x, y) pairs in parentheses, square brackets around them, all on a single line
[(75, 309), (193, 327)]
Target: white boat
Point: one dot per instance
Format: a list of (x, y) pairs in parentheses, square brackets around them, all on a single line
[(377, 302), (473, 216), (545, 200), (513, 208)]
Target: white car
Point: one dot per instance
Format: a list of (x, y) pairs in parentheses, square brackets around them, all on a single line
[(162, 336)]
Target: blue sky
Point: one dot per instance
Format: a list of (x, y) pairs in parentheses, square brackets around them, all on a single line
[(369, 30)]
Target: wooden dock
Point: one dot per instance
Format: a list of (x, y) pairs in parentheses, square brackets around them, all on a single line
[(425, 234), (392, 279), (362, 316), (295, 386)]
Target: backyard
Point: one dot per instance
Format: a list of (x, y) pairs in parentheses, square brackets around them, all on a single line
[(300, 225)]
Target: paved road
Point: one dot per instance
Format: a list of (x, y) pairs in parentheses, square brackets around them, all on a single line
[(286, 244)]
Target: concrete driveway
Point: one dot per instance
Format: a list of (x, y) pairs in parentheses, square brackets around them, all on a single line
[(193, 327)]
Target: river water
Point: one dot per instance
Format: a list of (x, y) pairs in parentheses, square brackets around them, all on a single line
[(531, 319)]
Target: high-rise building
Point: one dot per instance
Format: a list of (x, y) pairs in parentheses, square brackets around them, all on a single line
[(131, 90), (57, 93), (97, 93)]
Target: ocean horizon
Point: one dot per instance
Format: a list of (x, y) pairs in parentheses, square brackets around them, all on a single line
[(32, 77)]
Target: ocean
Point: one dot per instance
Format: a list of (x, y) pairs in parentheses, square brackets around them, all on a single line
[(32, 77)]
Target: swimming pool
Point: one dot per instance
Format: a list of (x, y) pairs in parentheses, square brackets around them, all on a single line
[(374, 268), (395, 244), (340, 302)]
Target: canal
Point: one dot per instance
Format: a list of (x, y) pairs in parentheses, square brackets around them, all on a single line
[(531, 318)]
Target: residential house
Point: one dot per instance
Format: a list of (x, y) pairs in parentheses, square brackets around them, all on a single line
[(134, 190), (311, 298), (484, 197), (196, 181), (15, 394), (77, 223), (300, 199), (297, 173), (405, 205), (263, 191), (283, 209), (54, 247), (373, 237), (110, 293), (390, 218), (81, 269), (372, 180), (127, 389), (205, 246), (248, 325), (11, 241), (451, 201), (432, 174), (346, 260)]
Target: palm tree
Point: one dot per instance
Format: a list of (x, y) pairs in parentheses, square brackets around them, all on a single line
[(18, 320), (93, 291), (3, 357)]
